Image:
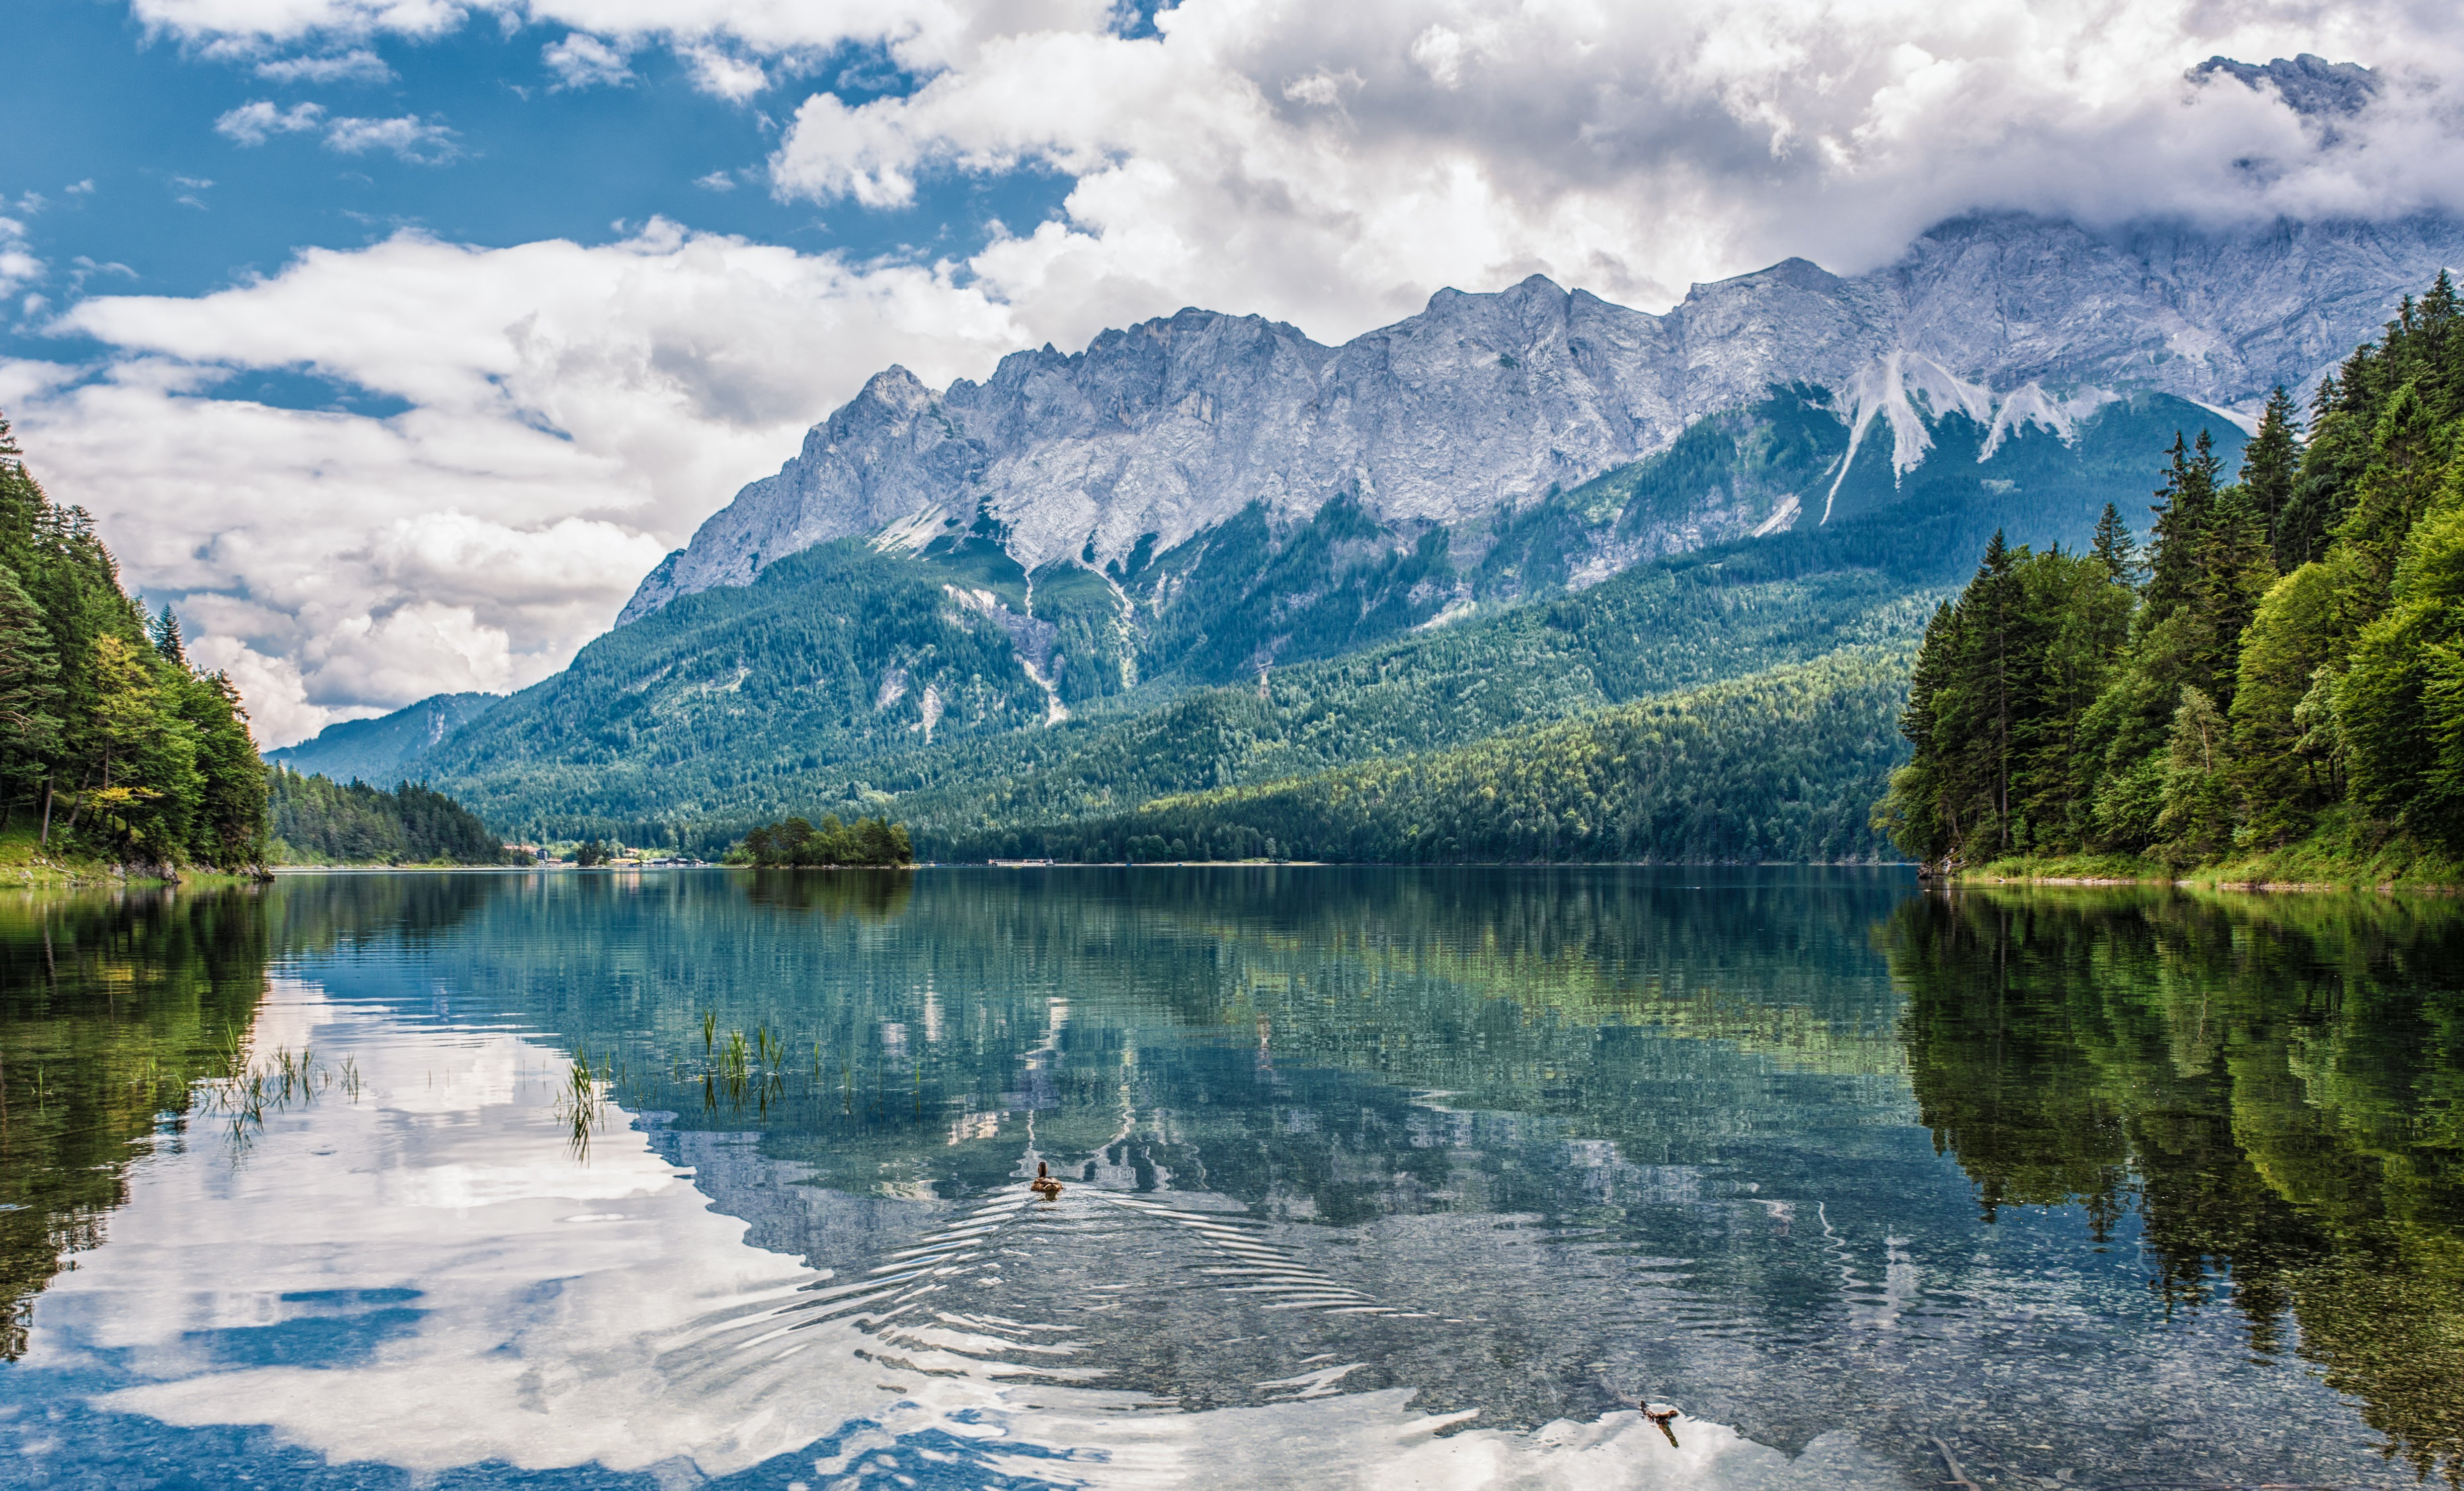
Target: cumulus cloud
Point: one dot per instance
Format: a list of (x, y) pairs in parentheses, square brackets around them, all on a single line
[(1331, 165), (18, 264), (1334, 165), (585, 61), (358, 65), (254, 123), (574, 412), (410, 137)]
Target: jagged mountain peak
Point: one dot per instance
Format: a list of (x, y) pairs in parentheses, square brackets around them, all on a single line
[(1159, 433)]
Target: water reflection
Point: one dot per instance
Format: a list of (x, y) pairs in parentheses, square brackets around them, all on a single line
[(1365, 1175), (2271, 1085), (111, 1006)]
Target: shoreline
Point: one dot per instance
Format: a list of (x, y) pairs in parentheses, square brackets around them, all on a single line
[(2197, 883)]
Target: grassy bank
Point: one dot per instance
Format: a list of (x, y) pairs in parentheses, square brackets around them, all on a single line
[(2344, 852), (26, 864)]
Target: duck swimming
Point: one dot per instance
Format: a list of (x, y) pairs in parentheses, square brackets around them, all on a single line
[(1043, 1184), (1663, 1415)]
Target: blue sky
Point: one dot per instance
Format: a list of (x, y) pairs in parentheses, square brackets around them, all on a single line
[(110, 131), (393, 341)]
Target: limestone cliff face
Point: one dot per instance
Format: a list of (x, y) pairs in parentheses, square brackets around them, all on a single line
[(1168, 430)]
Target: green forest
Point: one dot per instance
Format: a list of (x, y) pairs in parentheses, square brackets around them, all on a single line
[(1777, 765), (316, 820), (868, 842), (2276, 684), (112, 747)]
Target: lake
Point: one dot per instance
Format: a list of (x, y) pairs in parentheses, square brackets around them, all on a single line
[(1369, 1177)]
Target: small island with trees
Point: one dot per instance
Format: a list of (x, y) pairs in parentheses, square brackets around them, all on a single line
[(795, 843)]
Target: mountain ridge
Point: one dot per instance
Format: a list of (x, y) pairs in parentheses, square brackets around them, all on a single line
[(1486, 403)]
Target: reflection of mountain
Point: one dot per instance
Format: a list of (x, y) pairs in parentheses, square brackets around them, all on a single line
[(2276, 1088), (109, 1007), (1557, 1002)]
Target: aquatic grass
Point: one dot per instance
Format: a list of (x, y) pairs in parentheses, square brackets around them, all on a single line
[(582, 1102), (249, 1087)]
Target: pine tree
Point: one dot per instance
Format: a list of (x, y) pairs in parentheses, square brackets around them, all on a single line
[(163, 630), (2185, 507), (2113, 548), (29, 690), (2269, 464)]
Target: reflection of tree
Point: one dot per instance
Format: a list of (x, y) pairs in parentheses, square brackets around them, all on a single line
[(307, 914), (1541, 1005), (2278, 1086), (109, 1008), (868, 895)]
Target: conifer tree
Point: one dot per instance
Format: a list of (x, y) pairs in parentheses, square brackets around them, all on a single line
[(2269, 464), (30, 691), (163, 630), (2184, 508), (2113, 548)]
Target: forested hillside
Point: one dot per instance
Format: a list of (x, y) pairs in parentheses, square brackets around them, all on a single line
[(317, 820), (110, 743), (2282, 680), (848, 679), (1779, 765)]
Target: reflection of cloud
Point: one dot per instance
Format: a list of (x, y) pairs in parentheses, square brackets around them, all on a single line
[(566, 1312), (517, 1306)]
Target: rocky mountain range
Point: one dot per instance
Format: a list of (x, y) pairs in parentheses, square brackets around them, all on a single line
[(1488, 404), (1209, 554)]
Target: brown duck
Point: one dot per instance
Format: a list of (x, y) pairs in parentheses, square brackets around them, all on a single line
[(1663, 1415), (1043, 1184)]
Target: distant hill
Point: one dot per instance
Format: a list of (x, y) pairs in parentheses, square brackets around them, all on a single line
[(382, 750), (314, 820)]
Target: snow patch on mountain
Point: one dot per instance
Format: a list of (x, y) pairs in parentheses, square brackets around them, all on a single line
[(1167, 430)]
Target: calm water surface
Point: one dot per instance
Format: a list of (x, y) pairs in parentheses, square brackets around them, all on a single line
[(1381, 1178)]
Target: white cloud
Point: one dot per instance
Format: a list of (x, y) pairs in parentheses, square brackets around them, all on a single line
[(585, 61), (254, 123), (723, 74), (291, 20), (717, 181), (1327, 165), (575, 412), (408, 137), (18, 264), (359, 65), (79, 188)]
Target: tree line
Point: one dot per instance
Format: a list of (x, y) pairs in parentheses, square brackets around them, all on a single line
[(111, 743), (2281, 670), (1777, 765), (316, 820), (796, 842)]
